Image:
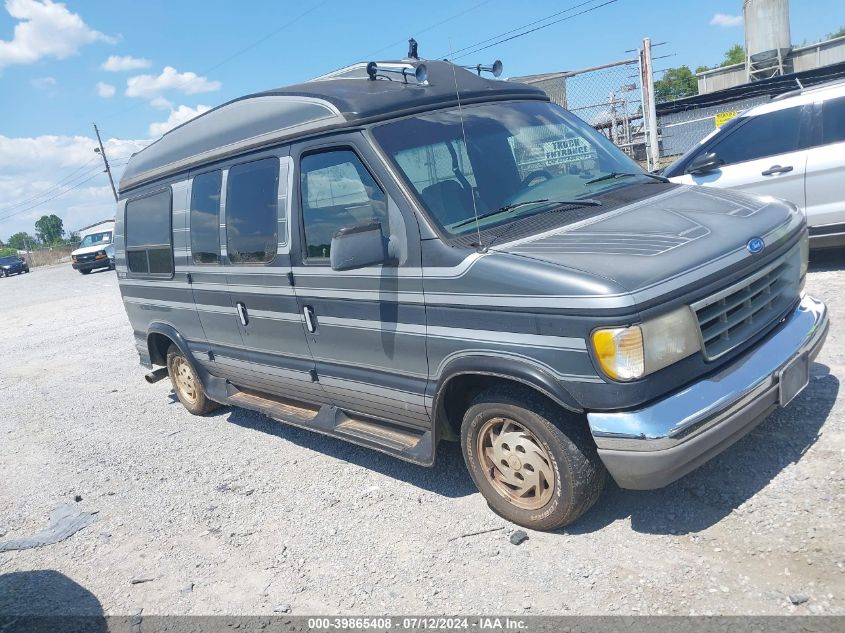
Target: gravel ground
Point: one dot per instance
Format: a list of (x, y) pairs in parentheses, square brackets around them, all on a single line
[(234, 513)]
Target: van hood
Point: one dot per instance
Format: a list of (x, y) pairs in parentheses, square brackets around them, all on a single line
[(91, 249), (680, 236)]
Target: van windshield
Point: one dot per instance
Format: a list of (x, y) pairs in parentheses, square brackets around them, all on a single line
[(523, 158), (96, 238)]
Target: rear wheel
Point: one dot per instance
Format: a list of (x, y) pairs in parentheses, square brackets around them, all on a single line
[(187, 384), (530, 468)]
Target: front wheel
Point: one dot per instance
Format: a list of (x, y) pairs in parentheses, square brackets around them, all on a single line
[(187, 384), (84, 272), (532, 470)]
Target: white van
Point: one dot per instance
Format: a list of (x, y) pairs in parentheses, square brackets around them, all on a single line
[(96, 249)]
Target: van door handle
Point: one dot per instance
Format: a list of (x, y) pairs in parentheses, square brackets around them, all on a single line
[(310, 320), (776, 169), (242, 313)]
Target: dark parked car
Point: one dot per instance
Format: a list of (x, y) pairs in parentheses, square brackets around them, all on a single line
[(12, 265)]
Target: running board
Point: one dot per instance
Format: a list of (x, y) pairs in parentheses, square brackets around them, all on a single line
[(411, 444)]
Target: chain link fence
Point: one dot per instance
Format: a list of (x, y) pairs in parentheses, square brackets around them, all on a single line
[(683, 127), (608, 97)]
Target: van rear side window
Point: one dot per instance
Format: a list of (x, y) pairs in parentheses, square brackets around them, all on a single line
[(149, 246), (252, 191), (205, 217)]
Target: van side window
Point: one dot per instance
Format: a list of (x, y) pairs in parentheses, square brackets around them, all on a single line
[(252, 191), (833, 121), (205, 218), (763, 135), (337, 191), (149, 244)]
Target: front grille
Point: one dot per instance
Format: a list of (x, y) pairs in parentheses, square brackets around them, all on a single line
[(737, 313), (88, 257)]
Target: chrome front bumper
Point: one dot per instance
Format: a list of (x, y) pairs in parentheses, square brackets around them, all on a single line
[(653, 446)]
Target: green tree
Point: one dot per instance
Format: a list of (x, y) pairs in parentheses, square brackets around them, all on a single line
[(73, 239), (49, 229), (21, 241), (839, 33), (675, 84), (734, 55)]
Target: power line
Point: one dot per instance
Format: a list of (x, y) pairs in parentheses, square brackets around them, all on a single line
[(68, 177), (266, 37), (523, 33), (76, 185), (230, 57), (455, 53), (433, 26)]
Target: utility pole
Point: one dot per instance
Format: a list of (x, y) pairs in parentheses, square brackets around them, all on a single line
[(102, 152), (649, 105)]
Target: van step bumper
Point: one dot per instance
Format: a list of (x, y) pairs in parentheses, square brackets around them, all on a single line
[(653, 446)]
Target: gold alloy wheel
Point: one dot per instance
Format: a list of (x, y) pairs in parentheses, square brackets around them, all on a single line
[(183, 379), (515, 463)]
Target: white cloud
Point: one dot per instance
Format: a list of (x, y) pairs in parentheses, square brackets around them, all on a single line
[(180, 115), (161, 102), (45, 29), (106, 91), (726, 20), (31, 167), (118, 63), (151, 86), (43, 83)]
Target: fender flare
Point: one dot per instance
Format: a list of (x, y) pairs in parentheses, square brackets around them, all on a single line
[(165, 329), (507, 368)]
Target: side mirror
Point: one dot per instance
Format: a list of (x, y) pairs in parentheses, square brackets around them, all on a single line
[(704, 164), (358, 246)]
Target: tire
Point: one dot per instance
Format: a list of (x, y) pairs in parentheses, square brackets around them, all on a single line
[(513, 472), (187, 385), (85, 272)]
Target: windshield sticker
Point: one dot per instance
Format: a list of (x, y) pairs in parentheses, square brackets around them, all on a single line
[(568, 151)]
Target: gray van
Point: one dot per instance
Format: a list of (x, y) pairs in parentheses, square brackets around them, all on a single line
[(401, 253)]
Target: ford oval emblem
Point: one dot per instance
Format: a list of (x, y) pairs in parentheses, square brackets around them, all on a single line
[(755, 245)]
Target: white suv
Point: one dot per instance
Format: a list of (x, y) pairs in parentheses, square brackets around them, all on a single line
[(792, 148)]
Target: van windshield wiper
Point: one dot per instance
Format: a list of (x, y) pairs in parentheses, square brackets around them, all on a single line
[(583, 202), (621, 174)]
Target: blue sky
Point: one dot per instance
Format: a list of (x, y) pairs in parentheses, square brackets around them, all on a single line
[(56, 80)]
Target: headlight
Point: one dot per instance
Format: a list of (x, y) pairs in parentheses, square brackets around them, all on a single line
[(632, 352), (620, 352)]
